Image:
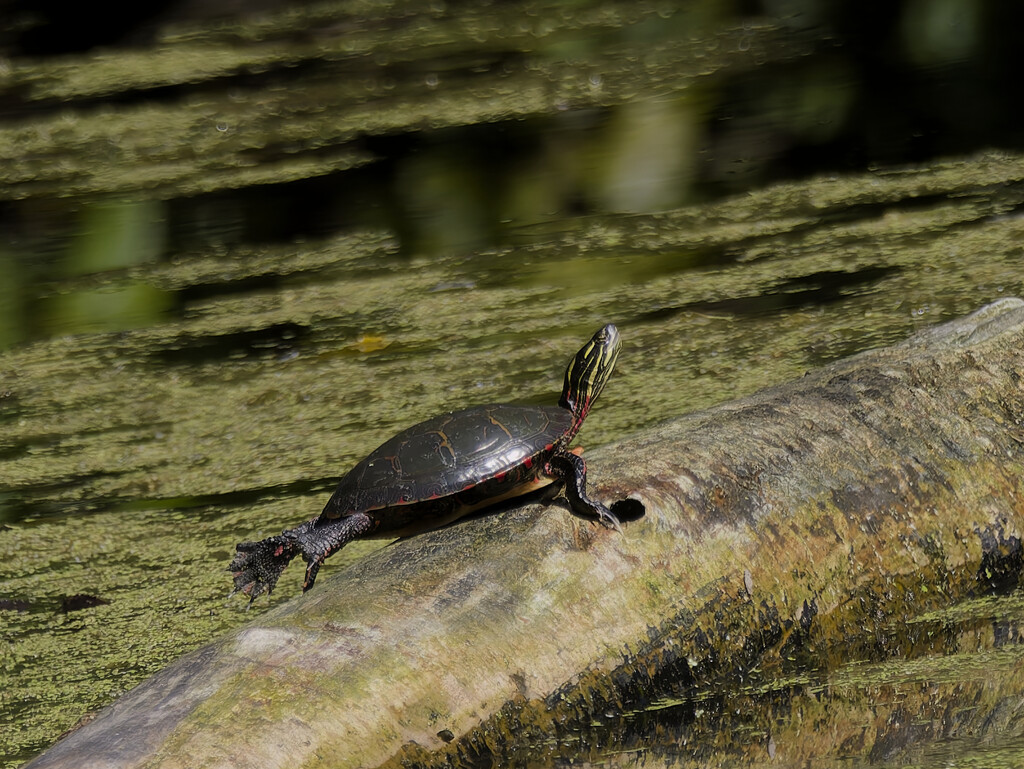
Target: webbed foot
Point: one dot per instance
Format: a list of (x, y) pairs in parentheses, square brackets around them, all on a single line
[(258, 565)]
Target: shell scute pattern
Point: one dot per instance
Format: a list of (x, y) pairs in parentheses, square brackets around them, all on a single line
[(450, 453)]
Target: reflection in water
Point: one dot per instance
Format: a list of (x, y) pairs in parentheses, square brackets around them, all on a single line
[(958, 691), (95, 284), (649, 156), (80, 310)]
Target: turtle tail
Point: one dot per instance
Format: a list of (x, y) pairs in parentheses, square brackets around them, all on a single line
[(258, 565)]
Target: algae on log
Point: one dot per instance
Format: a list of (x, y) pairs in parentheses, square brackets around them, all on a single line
[(870, 489)]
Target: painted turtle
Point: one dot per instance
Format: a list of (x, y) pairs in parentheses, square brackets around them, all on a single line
[(439, 470)]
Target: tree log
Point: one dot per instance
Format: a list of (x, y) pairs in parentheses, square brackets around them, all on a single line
[(802, 516)]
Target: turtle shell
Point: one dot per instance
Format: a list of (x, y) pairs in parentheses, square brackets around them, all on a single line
[(450, 454)]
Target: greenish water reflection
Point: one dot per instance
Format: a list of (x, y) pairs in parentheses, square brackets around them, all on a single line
[(111, 238)]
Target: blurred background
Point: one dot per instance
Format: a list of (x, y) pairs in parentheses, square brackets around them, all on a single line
[(241, 244), (127, 138)]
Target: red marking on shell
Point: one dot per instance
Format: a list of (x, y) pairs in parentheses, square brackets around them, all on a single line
[(527, 463), (500, 475)]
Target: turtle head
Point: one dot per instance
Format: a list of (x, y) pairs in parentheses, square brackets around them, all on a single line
[(588, 372)]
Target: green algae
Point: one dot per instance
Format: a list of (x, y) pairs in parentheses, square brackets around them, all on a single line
[(343, 33), (362, 82)]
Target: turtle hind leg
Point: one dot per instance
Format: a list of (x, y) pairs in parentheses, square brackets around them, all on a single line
[(572, 470), (326, 536), (258, 565)]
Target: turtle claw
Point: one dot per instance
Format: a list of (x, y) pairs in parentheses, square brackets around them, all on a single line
[(315, 550), (570, 468), (258, 565), (311, 572), (608, 519)]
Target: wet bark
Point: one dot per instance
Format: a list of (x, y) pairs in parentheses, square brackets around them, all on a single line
[(790, 524)]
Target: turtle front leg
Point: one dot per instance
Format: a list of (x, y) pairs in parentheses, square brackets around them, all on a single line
[(572, 471), (327, 536)]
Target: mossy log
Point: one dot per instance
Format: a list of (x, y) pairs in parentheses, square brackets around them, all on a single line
[(803, 516)]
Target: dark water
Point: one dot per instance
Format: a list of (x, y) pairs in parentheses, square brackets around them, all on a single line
[(239, 253)]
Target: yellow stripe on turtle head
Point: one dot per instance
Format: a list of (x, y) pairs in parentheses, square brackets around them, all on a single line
[(589, 370)]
